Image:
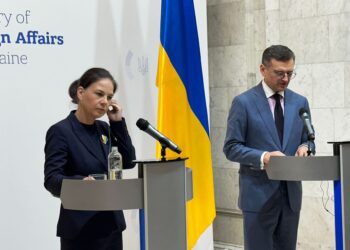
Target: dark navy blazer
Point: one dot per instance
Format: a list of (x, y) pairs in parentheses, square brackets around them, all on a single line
[(71, 153), (251, 130)]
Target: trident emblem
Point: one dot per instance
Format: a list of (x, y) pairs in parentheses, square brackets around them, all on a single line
[(143, 65)]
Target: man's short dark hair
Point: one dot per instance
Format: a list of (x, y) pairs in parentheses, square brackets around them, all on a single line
[(278, 52)]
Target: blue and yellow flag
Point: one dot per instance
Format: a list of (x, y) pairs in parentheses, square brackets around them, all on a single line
[(182, 112)]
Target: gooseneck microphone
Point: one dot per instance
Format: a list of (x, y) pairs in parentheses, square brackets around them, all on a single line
[(166, 142), (304, 115)]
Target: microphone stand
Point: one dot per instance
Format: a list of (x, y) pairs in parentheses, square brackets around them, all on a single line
[(163, 153), (311, 138), (309, 146)]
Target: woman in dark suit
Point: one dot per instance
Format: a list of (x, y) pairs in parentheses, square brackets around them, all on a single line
[(77, 147)]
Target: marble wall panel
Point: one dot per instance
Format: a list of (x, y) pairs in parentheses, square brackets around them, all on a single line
[(338, 37), (272, 27), (293, 9), (218, 98), (259, 30), (257, 62), (251, 5), (216, 2), (251, 52), (226, 246), (347, 6), (308, 38), (347, 85), (226, 188), (250, 40), (272, 5), (221, 161), (330, 7), (328, 85), (218, 118), (302, 83), (218, 107), (347, 49), (259, 4), (313, 246), (227, 66), (316, 227), (342, 124), (217, 137), (319, 189), (226, 24), (323, 122), (229, 229), (232, 92)]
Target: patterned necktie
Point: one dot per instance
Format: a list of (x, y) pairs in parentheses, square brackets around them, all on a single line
[(279, 119)]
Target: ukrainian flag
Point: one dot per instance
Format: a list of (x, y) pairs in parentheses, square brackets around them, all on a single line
[(182, 112)]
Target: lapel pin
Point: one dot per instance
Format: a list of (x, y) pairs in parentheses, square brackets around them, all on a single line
[(104, 139)]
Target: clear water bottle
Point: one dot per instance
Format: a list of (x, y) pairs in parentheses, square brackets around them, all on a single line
[(115, 164)]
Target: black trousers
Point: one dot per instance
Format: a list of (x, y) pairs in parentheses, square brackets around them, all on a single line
[(112, 242)]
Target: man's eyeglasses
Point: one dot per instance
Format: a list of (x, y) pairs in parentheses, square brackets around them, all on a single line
[(281, 74)]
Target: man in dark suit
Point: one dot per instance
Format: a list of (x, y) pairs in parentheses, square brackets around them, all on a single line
[(264, 122)]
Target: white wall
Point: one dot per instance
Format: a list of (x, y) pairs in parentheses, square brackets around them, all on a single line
[(112, 34)]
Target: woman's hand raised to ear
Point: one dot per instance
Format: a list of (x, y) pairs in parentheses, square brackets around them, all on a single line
[(114, 112)]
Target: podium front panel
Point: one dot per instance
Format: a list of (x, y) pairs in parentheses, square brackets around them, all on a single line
[(290, 168), (165, 205), (102, 195)]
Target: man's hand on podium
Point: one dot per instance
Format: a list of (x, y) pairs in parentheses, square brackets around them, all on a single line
[(302, 151), (269, 154)]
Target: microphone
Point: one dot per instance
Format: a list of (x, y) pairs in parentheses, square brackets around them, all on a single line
[(145, 126), (304, 115)]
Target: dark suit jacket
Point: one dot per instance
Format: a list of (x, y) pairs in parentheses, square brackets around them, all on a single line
[(251, 131), (70, 153)]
